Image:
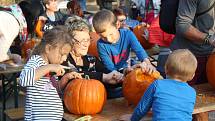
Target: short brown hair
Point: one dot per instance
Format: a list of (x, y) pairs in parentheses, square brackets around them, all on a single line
[(75, 8), (118, 12), (181, 64), (102, 18), (45, 2)]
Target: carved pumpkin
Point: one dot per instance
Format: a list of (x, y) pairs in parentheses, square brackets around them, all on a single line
[(139, 31), (136, 83), (210, 69), (84, 96), (93, 44)]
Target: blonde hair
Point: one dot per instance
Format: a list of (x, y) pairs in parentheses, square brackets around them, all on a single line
[(102, 18), (181, 64)]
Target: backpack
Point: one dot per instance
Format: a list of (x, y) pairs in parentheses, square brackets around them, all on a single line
[(168, 14)]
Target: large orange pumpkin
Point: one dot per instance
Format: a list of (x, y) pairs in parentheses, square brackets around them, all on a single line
[(210, 69), (94, 37), (136, 83), (84, 96), (139, 31)]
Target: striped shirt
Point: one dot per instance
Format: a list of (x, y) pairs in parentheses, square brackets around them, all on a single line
[(42, 100)]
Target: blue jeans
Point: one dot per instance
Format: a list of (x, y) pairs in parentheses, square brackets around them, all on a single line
[(83, 5)]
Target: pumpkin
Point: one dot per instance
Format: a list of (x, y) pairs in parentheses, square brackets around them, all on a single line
[(92, 50), (38, 28), (210, 69), (84, 96), (135, 84), (139, 31)]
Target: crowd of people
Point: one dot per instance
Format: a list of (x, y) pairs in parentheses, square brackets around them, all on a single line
[(65, 40)]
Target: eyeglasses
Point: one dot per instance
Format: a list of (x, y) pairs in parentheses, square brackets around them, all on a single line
[(122, 21), (82, 42)]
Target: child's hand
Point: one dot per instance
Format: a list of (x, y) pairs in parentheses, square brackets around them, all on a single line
[(145, 67), (58, 69), (72, 75)]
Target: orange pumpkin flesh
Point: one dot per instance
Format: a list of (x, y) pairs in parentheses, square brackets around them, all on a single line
[(136, 83), (139, 31), (210, 69), (83, 96)]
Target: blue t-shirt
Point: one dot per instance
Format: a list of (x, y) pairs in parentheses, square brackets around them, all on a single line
[(114, 56), (170, 100)]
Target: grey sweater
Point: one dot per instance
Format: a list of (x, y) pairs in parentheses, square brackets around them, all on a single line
[(186, 17)]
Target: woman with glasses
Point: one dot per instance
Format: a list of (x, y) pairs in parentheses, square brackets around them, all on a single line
[(78, 58)]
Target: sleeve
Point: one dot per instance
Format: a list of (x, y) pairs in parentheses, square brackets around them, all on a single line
[(136, 47), (186, 14), (145, 104), (27, 76), (105, 57)]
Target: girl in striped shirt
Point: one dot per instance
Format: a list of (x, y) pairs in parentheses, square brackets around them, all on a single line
[(42, 100)]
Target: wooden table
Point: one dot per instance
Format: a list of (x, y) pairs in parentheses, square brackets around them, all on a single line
[(115, 108), (9, 85)]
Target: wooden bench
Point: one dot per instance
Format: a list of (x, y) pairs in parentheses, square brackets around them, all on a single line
[(15, 114)]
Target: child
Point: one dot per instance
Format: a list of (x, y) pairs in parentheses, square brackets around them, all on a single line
[(52, 17), (171, 99), (42, 99), (114, 48), (115, 44)]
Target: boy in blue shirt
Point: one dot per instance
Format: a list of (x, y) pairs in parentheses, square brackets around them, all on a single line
[(171, 99), (115, 44), (114, 48)]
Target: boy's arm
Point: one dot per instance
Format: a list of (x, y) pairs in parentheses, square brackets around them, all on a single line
[(145, 104), (136, 47), (105, 58)]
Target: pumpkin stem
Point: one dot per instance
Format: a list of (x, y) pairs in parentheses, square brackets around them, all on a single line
[(87, 77)]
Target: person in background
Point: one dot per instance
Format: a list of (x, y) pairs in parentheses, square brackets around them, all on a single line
[(74, 8), (52, 17), (83, 5)]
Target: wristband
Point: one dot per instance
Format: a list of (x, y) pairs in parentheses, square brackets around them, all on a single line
[(207, 39)]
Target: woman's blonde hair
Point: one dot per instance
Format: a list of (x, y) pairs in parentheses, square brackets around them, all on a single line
[(74, 24), (181, 64)]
